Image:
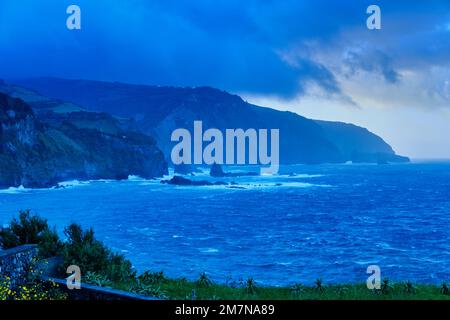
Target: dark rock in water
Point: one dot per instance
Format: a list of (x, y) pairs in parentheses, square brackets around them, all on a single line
[(217, 172), (181, 181), (38, 153)]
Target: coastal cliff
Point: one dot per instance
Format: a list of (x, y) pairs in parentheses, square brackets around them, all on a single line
[(40, 153)]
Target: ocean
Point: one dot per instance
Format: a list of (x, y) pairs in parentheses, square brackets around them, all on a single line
[(308, 222)]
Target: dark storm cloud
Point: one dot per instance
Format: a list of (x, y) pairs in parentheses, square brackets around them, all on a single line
[(230, 44)]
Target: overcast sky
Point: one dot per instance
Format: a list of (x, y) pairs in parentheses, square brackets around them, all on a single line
[(316, 58)]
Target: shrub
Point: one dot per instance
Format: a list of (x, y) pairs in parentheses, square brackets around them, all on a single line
[(97, 279), (32, 288), (409, 288), (297, 289), (30, 291), (444, 289), (50, 244), (119, 268), (250, 286), (340, 290), (151, 277), (148, 289), (386, 287), (318, 285), (83, 250), (31, 229), (28, 229), (204, 281), (91, 255)]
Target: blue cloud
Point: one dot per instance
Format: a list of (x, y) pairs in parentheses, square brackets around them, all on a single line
[(233, 45)]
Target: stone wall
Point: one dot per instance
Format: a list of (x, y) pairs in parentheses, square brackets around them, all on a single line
[(16, 262)]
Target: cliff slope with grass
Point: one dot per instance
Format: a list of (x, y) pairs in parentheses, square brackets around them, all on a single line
[(40, 151)]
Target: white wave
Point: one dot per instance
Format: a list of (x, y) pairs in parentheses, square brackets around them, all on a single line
[(208, 250), (199, 171), (135, 178), (300, 175), (78, 183), (101, 180), (284, 264), (365, 262), (304, 185), (256, 186), (15, 190), (283, 185)]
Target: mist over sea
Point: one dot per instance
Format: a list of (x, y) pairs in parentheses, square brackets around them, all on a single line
[(327, 221)]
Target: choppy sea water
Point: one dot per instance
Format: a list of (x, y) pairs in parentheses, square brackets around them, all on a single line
[(327, 221)]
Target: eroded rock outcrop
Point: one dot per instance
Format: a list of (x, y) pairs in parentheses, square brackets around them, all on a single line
[(36, 153)]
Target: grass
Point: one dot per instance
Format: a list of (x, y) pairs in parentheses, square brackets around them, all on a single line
[(205, 289)]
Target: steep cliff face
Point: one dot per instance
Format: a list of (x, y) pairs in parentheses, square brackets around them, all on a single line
[(159, 110), (35, 153), (359, 144)]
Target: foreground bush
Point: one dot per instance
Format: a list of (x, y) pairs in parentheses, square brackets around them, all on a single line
[(31, 287), (91, 255), (27, 229), (81, 247), (31, 229), (35, 290)]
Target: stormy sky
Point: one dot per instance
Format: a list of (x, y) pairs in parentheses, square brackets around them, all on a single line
[(316, 58)]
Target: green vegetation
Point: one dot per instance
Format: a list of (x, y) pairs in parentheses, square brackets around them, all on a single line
[(102, 267), (168, 288), (91, 255), (31, 229), (32, 290)]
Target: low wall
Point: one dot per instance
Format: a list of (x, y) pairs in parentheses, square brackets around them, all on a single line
[(16, 262)]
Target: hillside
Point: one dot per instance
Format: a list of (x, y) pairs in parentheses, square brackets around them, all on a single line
[(37, 153), (359, 144), (159, 110)]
